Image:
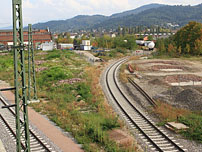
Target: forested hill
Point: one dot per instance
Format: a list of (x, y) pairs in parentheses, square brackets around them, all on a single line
[(137, 10), (153, 14), (157, 16), (78, 22)]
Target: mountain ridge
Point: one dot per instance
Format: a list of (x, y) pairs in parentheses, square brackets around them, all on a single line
[(152, 14)]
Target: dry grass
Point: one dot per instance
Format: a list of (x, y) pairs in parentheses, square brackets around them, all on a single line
[(168, 112), (94, 76), (122, 75), (133, 58)]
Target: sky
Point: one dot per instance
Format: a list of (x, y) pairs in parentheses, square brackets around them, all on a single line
[(35, 11)]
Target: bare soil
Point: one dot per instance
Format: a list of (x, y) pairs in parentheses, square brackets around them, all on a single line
[(157, 83)]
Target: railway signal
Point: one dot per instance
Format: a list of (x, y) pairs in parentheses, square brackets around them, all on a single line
[(22, 129), (31, 67)]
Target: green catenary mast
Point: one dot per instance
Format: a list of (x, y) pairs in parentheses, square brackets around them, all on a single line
[(22, 129), (31, 66)]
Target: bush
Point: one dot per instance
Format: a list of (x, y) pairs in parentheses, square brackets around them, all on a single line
[(84, 91), (109, 123), (6, 63), (195, 126), (53, 74), (53, 55)]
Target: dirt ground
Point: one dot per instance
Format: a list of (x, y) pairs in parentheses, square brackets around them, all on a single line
[(175, 81)]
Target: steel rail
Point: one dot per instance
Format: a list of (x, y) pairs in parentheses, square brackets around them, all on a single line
[(10, 129), (32, 133), (152, 102), (135, 109)]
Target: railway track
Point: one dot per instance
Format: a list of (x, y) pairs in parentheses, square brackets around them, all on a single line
[(154, 137), (7, 117), (151, 101)]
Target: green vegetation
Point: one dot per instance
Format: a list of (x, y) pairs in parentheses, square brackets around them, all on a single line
[(6, 67), (186, 42), (76, 106), (119, 46), (193, 120)]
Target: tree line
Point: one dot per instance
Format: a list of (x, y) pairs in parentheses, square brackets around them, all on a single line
[(187, 41)]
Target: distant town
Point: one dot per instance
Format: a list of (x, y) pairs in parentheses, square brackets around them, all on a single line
[(44, 39)]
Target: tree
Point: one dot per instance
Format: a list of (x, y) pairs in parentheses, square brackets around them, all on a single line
[(160, 45), (198, 47), (179, 50), (150, 38), (189, 38), (187, 49)]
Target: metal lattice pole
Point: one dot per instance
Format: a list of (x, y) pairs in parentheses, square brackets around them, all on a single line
[(22, 129), (31, 66)]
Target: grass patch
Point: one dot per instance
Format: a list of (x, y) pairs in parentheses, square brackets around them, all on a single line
[(193, 120), (6, 67), (122, 75), (53, 55), (88, 118)]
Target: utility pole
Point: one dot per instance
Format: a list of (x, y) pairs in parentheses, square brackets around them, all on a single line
[(22, 129), (31, 66)]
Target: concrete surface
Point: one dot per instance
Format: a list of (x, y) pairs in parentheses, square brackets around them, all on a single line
[(2, 149)]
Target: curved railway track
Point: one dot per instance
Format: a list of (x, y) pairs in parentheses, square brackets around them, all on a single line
[(155, 138), (7, 116), (151, 101)]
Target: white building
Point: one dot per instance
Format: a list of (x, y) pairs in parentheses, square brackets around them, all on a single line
[(86, 42), (85, 45), (65, 46), (47, 46)]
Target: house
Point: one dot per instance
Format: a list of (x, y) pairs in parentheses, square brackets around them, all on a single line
[(85, 45)]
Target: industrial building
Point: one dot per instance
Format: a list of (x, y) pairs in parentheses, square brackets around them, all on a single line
[(39, 36)]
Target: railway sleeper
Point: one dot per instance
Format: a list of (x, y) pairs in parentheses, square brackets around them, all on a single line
[(161, 142), (150, 132), (166, 148), (175, 150), (37, 148), (158, 139)]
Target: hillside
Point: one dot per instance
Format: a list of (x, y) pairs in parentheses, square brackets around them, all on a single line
[(137, 10), (157, 16), (86, 21), (153, 14), (76, 23)]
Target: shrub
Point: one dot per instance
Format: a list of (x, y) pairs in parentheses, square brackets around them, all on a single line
[(53, 74), (195, 126), (84, 91), (53, 55)]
